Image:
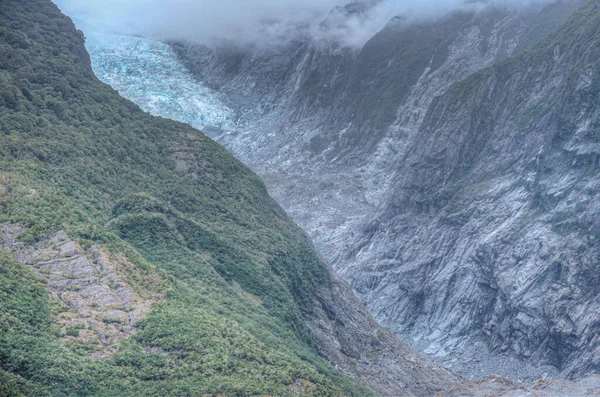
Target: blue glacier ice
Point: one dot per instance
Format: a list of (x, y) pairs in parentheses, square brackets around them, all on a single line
[(149, 73)]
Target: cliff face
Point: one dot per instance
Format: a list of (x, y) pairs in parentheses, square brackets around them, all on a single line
[(489, 233), (139, 257)]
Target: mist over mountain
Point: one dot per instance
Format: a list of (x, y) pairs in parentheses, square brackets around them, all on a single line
[(262, 22)]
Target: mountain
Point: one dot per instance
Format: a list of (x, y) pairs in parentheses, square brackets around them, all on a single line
[(324, 123), (487, 240), (138, 257), (340, 135)]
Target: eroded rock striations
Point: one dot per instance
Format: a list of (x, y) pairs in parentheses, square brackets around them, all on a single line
[(489, 232)]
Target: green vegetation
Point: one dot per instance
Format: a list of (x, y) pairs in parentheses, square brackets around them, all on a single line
[(237, 276), (74, 331)]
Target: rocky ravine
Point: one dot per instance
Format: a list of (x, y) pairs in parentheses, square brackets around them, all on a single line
[(324, 124), (330, 130)]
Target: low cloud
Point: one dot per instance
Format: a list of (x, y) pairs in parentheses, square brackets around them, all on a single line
[(197, 20), (256, 21), (355, 29)]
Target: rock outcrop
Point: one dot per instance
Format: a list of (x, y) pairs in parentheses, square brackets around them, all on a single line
[(348, 336), (96, 306)]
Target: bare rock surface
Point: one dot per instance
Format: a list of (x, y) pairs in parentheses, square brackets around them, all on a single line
[(488, 238), (348, 336), (98, 307), (497, 386)]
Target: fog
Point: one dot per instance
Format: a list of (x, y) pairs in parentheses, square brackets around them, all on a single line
[(256, 21)]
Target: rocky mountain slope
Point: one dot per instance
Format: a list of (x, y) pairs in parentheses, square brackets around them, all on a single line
[(488, 237), (138, 257)]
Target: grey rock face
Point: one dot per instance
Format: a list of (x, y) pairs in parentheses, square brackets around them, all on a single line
[(502, 387), (489, 233), (348, 337)]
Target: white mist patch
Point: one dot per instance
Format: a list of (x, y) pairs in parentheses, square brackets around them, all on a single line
[(257, 22), (200, 21), (355, 29), (149, 73)]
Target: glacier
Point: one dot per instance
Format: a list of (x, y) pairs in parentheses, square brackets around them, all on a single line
[(150, 74)]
